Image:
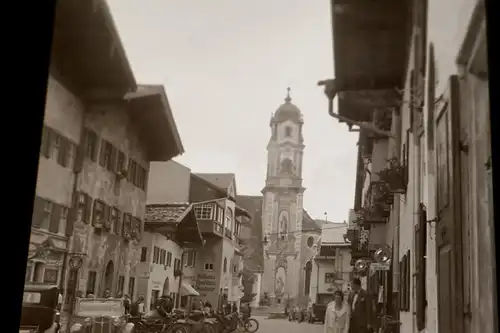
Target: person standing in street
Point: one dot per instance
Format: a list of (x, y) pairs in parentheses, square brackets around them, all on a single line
[(337, 315), (361, 309)]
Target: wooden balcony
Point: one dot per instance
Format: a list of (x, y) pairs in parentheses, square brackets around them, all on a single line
[(211, 228)]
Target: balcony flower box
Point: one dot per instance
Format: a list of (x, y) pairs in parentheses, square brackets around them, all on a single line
[(394, 176)]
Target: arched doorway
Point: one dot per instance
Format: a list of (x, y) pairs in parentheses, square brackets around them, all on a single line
[(166, 287), (108, 276), (307, 285)]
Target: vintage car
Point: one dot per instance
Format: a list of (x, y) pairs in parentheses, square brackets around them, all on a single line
[(99, 315), (39, 313)]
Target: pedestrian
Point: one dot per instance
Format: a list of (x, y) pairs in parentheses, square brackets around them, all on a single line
[(126, 303), (207, 307), (337, 315), (361, 309), (137, 308)]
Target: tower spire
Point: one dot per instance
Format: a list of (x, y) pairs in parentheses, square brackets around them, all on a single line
[(288, 98)]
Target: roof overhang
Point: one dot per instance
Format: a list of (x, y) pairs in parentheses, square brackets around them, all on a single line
[(185, 230), (150, 112), (370, 47), (242, 212), (87, 53)]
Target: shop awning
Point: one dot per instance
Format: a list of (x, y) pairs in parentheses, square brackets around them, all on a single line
[(188, 290)]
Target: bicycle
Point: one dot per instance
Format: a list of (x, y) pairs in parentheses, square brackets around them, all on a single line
[(250, 325)]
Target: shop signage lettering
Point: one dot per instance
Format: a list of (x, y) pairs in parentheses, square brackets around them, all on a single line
[(206, 282)]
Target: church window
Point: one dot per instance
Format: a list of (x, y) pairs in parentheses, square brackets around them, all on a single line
[(288, 131), (310, 241), (283, 227)]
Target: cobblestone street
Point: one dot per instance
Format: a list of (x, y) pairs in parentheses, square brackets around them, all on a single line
[(283, 325)]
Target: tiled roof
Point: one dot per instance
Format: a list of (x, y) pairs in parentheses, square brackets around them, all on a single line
[(170, 212), (308, 224), (221, 180)]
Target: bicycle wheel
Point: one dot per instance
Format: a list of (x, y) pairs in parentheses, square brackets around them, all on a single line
[(251, 325), (177, 328)]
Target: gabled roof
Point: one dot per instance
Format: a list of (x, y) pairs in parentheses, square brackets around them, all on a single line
[(308, 224), (221, 180), (170, 212)]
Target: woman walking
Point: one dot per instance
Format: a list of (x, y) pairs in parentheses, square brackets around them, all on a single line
[(337, 315)]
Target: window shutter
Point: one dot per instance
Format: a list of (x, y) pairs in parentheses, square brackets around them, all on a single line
[(38, 207), (55, 218), (95, 147), (88, 209), (94, 211), (102, 155), (113, 163), (106, 213), (421, 277), (408, 280), (45, 147), (63, 151)]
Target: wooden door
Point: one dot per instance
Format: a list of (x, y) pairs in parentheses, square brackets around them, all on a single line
[(448, 225)]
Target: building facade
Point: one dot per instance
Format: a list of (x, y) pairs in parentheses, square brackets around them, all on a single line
[(169, 250), (331, 266), (103, 130), (436, 213), (219, 267)]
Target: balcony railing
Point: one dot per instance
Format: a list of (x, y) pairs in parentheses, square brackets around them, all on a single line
[(209, 227)]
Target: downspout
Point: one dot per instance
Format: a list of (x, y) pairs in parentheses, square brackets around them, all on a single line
[(77, 170), (317, 280)]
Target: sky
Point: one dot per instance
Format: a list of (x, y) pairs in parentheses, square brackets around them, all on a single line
[(226, 65)]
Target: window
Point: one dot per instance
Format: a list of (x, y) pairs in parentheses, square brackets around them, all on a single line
[(98, 217), (177, 264), (235, 268), (155, 294), (229, 219), (162, 257), (209, 266), (191, 258), (220, 215), (50, 275), (131, 170), (126, 224), (121, 283), (310, 241), (117, 226), (140, 177), (131, 286), (47, 214), (90, 140), (288, 131), (224, 270), (106, 157), (70, 155), (63, 220), (330, 277), (91, 282), (84, 202), (156, 255), (144, 254), (113, 215), (204, 211), (55, 145), (120, 164), (169, 259)]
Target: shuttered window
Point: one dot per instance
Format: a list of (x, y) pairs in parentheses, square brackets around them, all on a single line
[(420, 263), (117, 227), (91, 144), (99, 214), (58, 147)]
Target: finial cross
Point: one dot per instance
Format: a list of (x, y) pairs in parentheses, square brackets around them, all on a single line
[(288, 98)]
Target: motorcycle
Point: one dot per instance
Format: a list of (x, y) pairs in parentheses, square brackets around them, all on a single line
[(164, 324)]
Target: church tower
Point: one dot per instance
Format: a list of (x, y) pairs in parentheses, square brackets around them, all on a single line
[(282, 211)]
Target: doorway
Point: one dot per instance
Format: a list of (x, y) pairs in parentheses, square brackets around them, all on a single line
[(166, 287), (108, 276)]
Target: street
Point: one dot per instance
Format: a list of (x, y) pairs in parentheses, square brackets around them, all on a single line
[(283, 325)]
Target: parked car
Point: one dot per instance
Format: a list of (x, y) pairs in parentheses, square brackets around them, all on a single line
[(99, 315), (39, 313)]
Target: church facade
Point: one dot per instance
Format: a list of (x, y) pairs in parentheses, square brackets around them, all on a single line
[(290, 234)]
